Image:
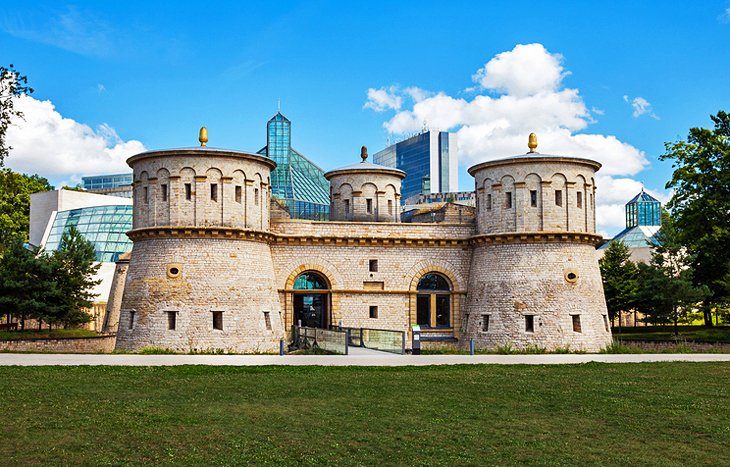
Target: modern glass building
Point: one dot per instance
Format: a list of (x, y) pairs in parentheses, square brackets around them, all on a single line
[(105, 227), (113, 185), (429, 160), (296, 181), (643, 222)]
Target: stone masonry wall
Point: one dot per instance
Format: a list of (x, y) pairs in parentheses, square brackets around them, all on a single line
[(193, 278), (114, 305), (99, 344)]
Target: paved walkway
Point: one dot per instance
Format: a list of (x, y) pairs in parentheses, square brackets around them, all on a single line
[(374, 359)]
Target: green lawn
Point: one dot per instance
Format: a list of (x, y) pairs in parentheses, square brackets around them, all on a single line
[(45, 333), (717, 334), (621, 414)]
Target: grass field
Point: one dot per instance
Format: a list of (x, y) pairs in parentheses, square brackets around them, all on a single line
[(621, 414), (717, 334)]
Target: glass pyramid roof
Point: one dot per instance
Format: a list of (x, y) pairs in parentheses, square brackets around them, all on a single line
[(642, 236)]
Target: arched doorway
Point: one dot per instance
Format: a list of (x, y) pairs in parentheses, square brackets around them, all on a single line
[(311, 300), (433, 302)]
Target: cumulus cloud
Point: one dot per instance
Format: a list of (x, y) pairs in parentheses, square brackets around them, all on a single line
[(59, 148), (641, 107), (383, 99), (519, 92)]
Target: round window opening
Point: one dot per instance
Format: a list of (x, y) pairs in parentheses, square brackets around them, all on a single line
[(174, 271), (571, 276)]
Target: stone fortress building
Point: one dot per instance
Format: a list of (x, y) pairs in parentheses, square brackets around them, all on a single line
[(216, 266)]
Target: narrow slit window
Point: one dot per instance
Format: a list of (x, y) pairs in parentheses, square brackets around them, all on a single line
[(369, 205), (267, 320), (529, 323), (214, 192), (146, 191), (163, 189), (171, 320), (579, 199), (508, 200), (485, 323), (390, 207), (605, 323), (238, 193), (489, 202), (558, 197), (533, 198), (373, 312), (188, 191), (347, 206), (256, 196), (373, 266), (218, 320), (576, 324), (131, 319)]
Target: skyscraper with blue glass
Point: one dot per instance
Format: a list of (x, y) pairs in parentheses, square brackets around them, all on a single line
[(429, 160), (297, 182)]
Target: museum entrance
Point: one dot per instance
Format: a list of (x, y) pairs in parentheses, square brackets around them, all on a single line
[(311, 300), (433, 302)]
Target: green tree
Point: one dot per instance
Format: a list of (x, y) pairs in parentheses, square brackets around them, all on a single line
[(74, 265), (701, 204), (15, 191), (12, 84), (619, 276), (666, 291)]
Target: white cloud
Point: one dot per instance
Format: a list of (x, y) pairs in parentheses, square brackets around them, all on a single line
[(383, 99), (641, 107), (60, 148), (725, 16), (527, 95), (524, 71)]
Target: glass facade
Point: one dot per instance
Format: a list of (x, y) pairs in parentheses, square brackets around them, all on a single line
[(105, 227), (643, 209), (296, 181), (414, 156), (99, 182)]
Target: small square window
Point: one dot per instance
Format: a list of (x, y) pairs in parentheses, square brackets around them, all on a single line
[(373, 312), (558, 197), (579, 199), (529, 323), (171, 320), (238, 193), (373, 266), (576, 323), (218, 320), (508, 200), (485, 323), (369, 206), (267, 320), (188, 191), (214, 192), (533, 198), (163, 190)]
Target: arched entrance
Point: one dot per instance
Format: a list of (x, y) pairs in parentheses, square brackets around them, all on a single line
[(433, 302), (311, 300)]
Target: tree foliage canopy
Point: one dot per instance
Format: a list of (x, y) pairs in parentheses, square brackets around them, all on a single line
[(619, 276), (12, 84), (15, 191), (701, 202)]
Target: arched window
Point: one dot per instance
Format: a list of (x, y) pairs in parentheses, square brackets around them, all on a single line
[(433, 302), (310, 281)]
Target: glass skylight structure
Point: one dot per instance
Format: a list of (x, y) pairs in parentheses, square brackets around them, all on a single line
[(105, 227), (643, 222), (99, 182), (296, 181)]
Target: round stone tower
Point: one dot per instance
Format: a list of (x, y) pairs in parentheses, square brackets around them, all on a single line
[(201, 276), (365, 192), (534, 277)]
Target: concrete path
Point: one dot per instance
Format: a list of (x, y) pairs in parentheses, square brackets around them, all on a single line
[(376, 359)]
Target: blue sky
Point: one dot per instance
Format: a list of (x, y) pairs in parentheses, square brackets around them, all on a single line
[(612, 81)]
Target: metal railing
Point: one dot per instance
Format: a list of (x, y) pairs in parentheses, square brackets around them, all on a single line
[(385, 340), (331, 340)]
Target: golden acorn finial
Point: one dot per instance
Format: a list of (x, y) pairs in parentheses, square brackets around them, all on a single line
[(364, 153), (532, 142), (203, 137)]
